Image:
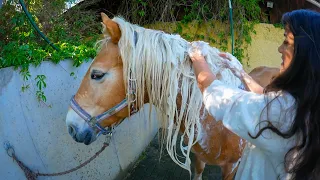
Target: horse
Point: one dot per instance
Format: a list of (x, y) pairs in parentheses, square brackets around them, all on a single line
[(135, 66)]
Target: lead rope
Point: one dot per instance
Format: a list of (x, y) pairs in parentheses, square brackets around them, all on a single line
[(30, 175)]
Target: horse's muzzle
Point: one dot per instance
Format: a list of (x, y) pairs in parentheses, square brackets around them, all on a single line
[(86, 136)]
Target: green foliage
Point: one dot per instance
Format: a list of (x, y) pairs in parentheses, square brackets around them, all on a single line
[(178, 28), (25, 74), (25, 87), (246, 13), (192, 12), (238, 51), (142, 4), (40, 96), (41, 85), (251, 7), (278, 25), (21, 46), (247, 18)]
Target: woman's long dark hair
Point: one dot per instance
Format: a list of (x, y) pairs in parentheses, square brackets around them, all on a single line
[(302, 81)]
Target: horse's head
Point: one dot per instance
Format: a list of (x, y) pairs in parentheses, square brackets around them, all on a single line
[(102, 93)]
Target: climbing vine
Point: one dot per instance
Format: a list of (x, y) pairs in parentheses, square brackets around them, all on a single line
[(21, 46)]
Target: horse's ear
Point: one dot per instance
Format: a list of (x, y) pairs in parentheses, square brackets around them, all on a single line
[(110, 27)]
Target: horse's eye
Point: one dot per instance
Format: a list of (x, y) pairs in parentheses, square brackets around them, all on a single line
[(96, 75)]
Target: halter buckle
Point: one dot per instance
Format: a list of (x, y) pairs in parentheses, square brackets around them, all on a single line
[(132, 85), (92, 122), (108, 137), (132, 97)]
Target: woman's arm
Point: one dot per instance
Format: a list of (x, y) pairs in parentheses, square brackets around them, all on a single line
[(203, 74), (246, 79), (245, 112), (202, 71), (250, 84)]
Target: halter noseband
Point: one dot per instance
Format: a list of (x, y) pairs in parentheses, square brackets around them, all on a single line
[(94, 121)]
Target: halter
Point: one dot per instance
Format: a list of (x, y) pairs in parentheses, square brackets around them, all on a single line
[(94, 121)]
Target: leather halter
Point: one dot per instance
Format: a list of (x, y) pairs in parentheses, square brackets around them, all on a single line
[(94, 121)]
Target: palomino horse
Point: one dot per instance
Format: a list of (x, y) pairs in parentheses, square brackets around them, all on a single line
[(135, 66)]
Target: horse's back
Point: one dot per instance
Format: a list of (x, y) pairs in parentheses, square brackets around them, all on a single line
[(263, 75)]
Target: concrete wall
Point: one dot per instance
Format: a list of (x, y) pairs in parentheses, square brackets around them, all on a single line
[(39, 135), (263, 50)]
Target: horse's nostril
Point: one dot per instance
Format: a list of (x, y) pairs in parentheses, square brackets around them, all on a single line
[(87, 138), (71, 130)]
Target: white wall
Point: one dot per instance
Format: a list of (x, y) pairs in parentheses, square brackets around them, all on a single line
[(39, 135)]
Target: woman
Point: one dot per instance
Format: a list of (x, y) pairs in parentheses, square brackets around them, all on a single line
[(281, 123)]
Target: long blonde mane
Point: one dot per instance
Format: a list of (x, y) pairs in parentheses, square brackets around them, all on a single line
[(159, 65)]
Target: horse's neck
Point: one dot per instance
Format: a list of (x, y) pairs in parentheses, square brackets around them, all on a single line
[(178, 99)]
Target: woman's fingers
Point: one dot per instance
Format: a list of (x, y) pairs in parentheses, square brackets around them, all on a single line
[(225, 56), (225, 63)]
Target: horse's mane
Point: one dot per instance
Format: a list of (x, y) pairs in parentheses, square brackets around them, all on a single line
[(160, 65)]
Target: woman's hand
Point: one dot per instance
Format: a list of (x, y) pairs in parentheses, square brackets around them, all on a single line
[(197, 52), (233, 64)]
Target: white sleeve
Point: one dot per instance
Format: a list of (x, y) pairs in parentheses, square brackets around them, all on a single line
[(245, 112)]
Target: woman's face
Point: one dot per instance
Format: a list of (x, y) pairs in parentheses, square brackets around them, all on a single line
[(286, 49)]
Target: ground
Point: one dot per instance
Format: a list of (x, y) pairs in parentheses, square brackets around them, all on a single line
[(148, 167)]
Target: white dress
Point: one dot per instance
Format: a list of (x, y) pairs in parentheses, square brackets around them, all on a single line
[(240, 112)]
